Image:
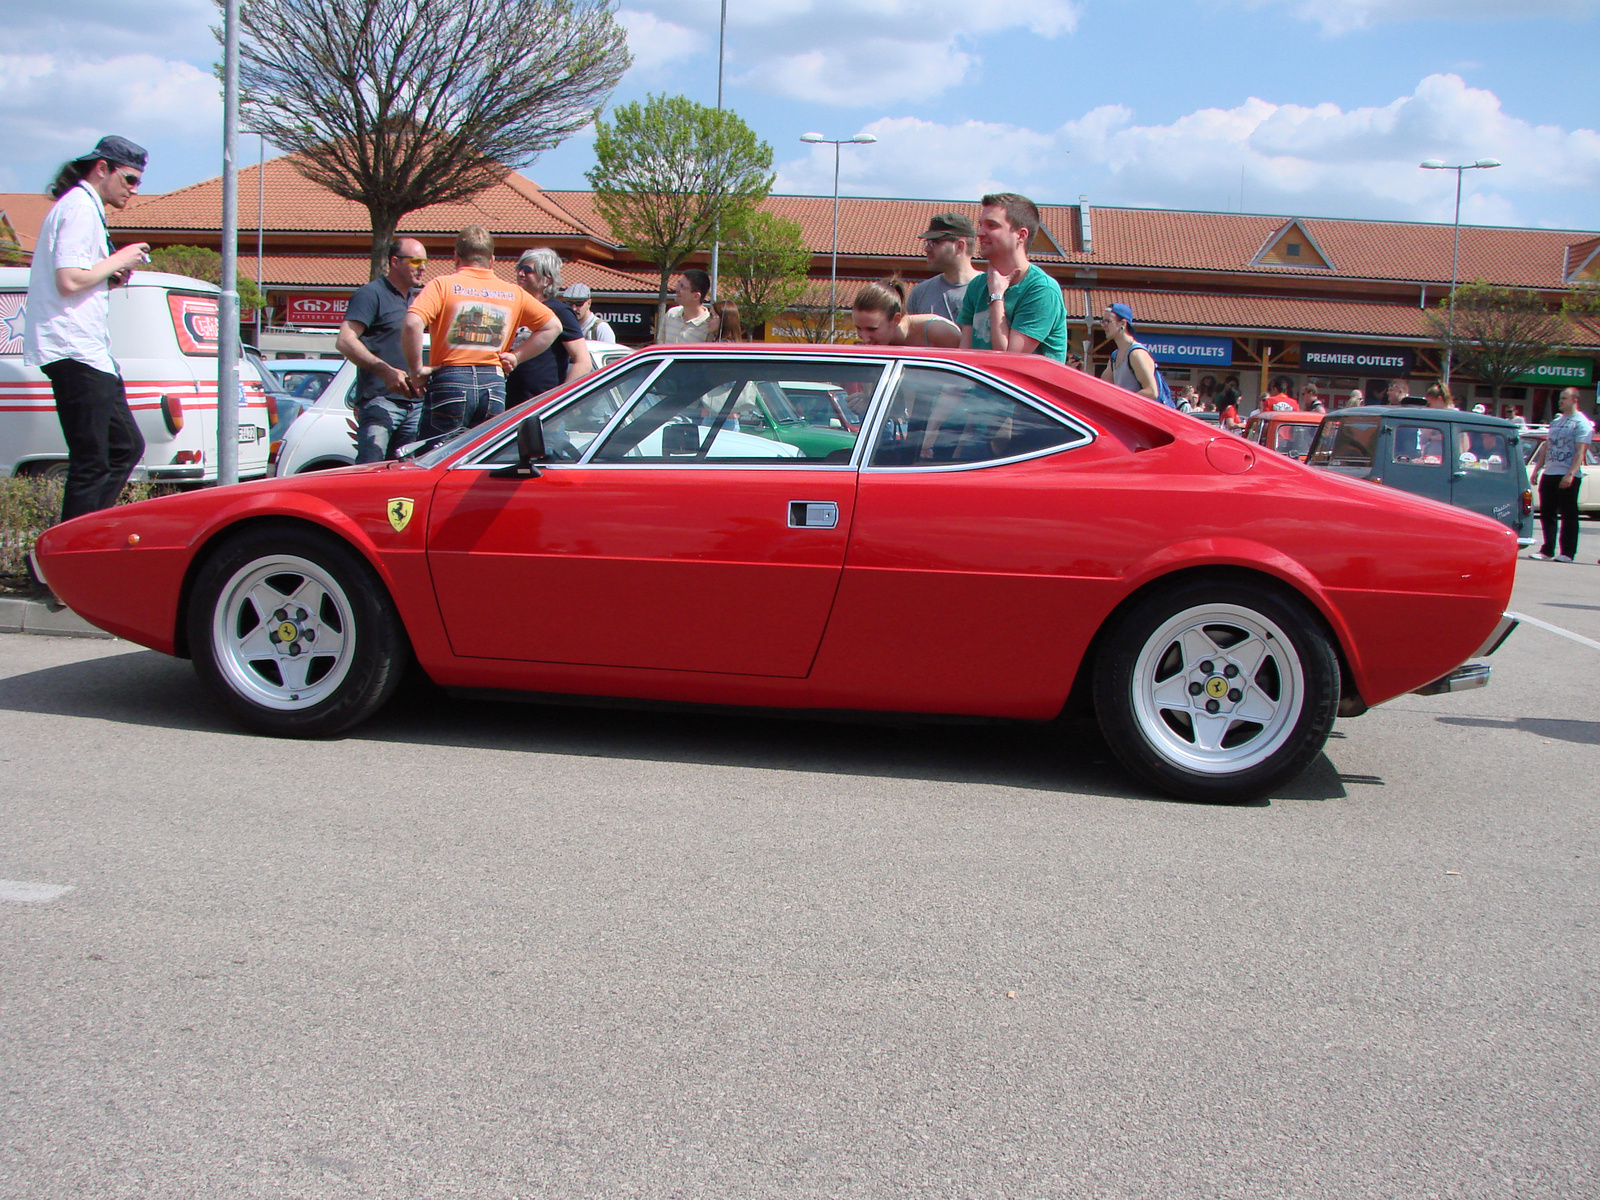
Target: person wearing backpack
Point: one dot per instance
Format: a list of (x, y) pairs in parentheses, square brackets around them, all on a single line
[(1132, 366)]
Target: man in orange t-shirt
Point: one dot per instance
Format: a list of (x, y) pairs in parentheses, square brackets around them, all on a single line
[(471, 317)]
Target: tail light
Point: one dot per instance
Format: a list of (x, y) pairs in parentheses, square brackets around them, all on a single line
[(172, 413), (272, 409), (272, 452), (1527, 502), (185, 457)]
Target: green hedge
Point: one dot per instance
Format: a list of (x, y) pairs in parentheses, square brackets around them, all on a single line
[(29, 506)]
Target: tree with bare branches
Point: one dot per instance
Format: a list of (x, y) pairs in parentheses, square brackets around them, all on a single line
[(399, 104), (1499, 333), (669, 171)]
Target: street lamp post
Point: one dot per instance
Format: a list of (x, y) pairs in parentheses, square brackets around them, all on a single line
[(833, 269), (1438, 164)]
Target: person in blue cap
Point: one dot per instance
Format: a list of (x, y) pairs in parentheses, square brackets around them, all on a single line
[(1131, 366), (66, 336)]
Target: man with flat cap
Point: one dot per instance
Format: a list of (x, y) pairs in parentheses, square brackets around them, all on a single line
[(947, 243), (66, 336)]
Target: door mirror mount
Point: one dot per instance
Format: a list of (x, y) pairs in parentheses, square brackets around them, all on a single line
[(530, 452)]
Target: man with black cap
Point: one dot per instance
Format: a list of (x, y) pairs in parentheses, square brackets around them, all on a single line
[(66, 336), (947, 244)]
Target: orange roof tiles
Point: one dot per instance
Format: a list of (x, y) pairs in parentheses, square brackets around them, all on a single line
[(350, 271), (26, 212)]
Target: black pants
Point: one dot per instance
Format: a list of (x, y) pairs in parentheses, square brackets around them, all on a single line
[(103, 440), (1559, 504)]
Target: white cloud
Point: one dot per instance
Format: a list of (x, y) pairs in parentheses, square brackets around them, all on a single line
[(1344, 16), (1297, 159), (109, 28), (850, 53), (654, 43)]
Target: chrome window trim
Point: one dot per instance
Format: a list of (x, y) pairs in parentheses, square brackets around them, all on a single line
[(888, 365), (1089, 432), (599, 379)]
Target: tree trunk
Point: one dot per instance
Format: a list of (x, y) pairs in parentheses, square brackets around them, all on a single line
[(661, 304), (384, 224)]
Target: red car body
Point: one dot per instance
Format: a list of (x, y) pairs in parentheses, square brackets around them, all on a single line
[(978, 591)]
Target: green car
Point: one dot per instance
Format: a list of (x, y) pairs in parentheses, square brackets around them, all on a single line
[(765, 411)]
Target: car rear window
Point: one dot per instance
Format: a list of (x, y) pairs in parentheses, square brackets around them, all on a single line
[(1345, 442), (1294, 438), (1484, 450)]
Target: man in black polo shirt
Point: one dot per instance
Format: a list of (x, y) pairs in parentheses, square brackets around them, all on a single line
[(388, 405)]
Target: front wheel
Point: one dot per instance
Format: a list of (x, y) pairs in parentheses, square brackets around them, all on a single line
[(295, 633), (1217, 691)]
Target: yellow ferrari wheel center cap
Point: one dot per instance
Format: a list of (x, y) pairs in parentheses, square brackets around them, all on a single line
[(1216, 687), (287, 631)]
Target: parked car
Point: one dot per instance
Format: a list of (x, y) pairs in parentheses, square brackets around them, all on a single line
[(164, 338), (305, 378), (1005, 538), (1533, 436), (1288, 433), (324, 437), (1465, 459)]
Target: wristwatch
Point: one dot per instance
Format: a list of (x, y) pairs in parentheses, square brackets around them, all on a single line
[(994, 296)]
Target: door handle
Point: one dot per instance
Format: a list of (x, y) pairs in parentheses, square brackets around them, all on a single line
[(813, 514)]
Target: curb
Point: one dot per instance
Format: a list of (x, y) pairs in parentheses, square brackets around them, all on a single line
[(34, 616)]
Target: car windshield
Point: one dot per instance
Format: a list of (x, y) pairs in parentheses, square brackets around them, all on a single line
[(1345, 442), (1295, 438)]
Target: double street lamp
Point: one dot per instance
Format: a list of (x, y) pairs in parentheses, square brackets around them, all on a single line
[(1438, 164), (833, 270)]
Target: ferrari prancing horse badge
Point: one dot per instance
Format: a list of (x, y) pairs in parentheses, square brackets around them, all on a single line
[(400, 512)]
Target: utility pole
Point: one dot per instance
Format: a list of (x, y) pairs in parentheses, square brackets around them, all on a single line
[(228, 301)]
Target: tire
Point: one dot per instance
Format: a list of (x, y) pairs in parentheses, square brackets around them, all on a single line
[(48, 472), (295, 633), (1169, 701)]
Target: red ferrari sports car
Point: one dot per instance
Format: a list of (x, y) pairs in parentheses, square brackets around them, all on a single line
[(1000, 536)]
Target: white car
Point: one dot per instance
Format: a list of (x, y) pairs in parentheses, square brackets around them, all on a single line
[(164, 338), (323, 436)]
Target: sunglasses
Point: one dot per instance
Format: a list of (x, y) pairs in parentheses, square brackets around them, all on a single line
[(418, 263), (524, 269), (129, 178)]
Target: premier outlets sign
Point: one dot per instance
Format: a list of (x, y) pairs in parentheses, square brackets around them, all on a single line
[(1335, 358), (630, 322), (1202, 351)]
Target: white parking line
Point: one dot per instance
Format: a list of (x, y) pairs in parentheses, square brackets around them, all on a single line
[(1566, 633), (31, 893)]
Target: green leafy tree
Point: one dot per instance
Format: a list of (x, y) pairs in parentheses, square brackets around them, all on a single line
[(1499, 333), (765, 263), (1582, 308), (399, 104), (199, 263), (11, 252), (668, 171)]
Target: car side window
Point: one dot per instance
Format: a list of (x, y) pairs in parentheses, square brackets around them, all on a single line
[(938, 418), (1343, 442), (720, 411), (1484, 450), (1419, 445)]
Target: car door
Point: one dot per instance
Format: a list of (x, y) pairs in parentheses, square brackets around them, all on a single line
[(660, 536), (984, 520), (1416, 457), (1484, 477)]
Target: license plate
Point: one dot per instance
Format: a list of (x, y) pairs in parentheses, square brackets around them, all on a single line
[(249, 434)]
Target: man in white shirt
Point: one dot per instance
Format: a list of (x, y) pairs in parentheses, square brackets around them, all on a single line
[(66, 336), (1561, 455)]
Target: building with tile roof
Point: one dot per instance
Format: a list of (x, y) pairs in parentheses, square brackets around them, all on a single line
[(1220, 294)]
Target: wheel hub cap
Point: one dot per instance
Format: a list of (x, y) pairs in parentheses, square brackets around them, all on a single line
[(283, 632)]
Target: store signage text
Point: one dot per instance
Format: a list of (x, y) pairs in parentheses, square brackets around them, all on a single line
[(1204, 351), (314, 310), (630, 322), (1562, 371), (1337, 359)]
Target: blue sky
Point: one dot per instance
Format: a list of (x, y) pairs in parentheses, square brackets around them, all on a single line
[(1319, 107)]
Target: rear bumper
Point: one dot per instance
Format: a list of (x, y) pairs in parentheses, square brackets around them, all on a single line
[(1471, 675)]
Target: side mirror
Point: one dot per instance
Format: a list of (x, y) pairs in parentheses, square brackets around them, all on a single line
[(530, 451)]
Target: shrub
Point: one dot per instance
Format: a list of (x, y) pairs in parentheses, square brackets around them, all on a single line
[(29, 506)]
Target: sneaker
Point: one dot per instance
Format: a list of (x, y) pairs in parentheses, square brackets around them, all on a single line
[(1563, 558), (1542, 556)]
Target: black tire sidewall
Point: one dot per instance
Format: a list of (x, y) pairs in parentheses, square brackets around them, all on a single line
[(1114, 685), (381, 651)]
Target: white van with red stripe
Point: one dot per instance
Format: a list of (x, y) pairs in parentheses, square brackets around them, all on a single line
[(164, 339)]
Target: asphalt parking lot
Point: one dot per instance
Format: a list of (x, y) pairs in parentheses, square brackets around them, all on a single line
[(503, 950)]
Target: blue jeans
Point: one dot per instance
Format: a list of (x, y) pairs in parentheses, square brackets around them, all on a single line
[(383, 425), (461, 397)]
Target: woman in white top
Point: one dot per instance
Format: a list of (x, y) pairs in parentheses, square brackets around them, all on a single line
[(881, 319), (689, 319)]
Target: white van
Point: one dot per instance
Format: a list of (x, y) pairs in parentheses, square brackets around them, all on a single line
[(164, 338)]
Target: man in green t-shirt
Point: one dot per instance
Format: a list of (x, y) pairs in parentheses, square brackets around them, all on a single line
[(1014, 306)]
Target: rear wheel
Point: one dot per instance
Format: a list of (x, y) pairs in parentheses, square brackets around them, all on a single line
[(295, 633), (1217, 691)]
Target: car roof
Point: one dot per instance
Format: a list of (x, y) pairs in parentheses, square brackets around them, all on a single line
[(18, 277), (1410, 412), (1299, 418)]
